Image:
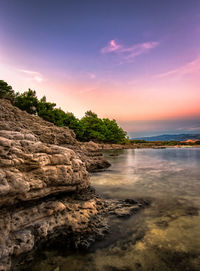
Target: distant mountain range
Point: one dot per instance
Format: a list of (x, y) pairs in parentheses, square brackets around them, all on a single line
[(180, 137)]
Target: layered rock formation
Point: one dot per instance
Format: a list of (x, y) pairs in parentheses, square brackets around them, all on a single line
[(44, 187), (37, 162), (31, 169)]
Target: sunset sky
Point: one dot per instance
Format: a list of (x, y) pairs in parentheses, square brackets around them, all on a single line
[(137, 61)]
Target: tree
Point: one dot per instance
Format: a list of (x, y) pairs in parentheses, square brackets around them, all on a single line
[(46, 110), (101, 130), (74, 123), (113, 133), (6, 91), (93, 127), (27, 101)]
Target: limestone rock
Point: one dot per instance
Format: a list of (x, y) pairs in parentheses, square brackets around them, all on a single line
[(44, 185), (30, 169), (23, 228)]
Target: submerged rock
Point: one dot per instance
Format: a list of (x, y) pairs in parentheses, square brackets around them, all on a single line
[(125, 208)]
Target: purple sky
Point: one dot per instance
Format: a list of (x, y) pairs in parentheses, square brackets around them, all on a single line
[(137, 61)]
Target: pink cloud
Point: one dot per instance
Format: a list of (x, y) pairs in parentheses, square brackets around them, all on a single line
[(36, 76), (192, 67), (112, 46), (128, 53)]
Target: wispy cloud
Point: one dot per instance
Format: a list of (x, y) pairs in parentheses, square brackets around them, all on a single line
[(112, 46), (33, 75), (192, 67), (128, 53)]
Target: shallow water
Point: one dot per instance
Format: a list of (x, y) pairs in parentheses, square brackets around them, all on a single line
[(163, 237)]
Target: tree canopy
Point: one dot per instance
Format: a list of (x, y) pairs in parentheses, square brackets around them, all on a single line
[(90, 127), (6, 91)]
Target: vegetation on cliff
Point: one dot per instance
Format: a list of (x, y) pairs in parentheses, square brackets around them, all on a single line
[(90, 127)]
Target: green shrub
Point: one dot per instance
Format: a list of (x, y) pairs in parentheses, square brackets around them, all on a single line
[(27, 101), (6, 91)]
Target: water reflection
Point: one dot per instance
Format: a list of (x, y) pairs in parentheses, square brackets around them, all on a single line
[(164, 237), (150, 172)]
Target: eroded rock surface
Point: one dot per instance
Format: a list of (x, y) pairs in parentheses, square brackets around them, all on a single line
[(44, 187), (31, 169), (25, 227)]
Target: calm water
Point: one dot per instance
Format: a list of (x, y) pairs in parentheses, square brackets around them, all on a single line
[(163, 237)]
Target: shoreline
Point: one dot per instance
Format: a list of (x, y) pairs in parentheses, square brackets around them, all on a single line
[(142, 146), (46, 193)]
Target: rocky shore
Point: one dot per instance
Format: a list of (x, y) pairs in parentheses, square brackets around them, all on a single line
[(149, 145), (45, 192)]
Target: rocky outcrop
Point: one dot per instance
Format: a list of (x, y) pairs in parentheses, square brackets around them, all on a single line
[(31, 169), (13, 119), (25, 227), (90, 153), (39, 162), (74, 221), (44, 187)]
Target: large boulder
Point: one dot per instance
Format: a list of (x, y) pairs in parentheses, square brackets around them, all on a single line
[(30, 169), (24, 228)]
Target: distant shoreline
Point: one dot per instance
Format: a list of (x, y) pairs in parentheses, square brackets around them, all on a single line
[(142, 146)]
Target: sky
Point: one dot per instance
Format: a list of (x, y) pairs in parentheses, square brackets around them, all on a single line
[(136, 61)]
